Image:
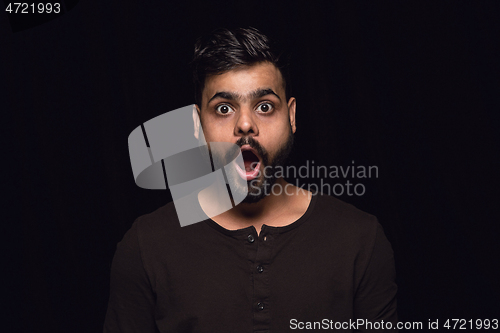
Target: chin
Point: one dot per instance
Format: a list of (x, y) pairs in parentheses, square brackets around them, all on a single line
[(258, 192), (253, 198)]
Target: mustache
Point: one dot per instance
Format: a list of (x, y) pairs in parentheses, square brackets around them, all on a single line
[(254, 144), (221, 154)]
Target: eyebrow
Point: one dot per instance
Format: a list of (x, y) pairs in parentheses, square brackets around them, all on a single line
[(258, 93)]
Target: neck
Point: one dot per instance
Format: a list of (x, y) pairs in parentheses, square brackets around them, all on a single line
[(259, 210), (211, 204), (273, 210)]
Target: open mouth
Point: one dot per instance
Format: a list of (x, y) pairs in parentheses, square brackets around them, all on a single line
[(251, 162)]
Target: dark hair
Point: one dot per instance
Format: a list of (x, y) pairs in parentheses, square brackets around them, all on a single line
[(224, 49)]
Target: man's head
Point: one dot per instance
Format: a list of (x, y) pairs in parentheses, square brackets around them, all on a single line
[(241, 97), (224, 50)]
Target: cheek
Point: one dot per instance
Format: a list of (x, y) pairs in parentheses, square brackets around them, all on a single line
[(277, 135), (218, 131)]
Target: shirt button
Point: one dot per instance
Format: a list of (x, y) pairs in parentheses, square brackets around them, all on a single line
[(251, 238), (260, 306), (260, 269)]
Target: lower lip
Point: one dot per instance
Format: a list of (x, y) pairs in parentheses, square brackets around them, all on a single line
[(248, 175)]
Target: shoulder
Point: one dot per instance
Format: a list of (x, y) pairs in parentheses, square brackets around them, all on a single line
[(161, 224), (339, 219), (351, 232), (162, 229), (338, 212)]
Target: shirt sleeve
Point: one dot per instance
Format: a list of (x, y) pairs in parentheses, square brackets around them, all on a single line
[(375, 298), (131, 305)]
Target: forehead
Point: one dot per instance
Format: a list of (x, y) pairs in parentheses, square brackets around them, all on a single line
[(245, 79)]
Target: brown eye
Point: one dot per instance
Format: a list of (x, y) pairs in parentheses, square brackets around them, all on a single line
[(265, 107), (223, 109)]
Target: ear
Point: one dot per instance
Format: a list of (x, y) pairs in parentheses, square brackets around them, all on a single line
[(196, 121), (291, 112)]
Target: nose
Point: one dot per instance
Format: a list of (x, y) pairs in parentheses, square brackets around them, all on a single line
[(245, 123)]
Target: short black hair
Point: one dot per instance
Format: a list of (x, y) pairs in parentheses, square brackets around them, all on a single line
[(225, 49)]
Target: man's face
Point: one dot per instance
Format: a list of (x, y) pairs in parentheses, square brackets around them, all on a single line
[(247, 106)]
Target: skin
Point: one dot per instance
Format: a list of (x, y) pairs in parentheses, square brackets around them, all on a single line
[(267, 119)]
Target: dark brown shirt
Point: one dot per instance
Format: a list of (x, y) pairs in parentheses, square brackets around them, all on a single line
[(332, 266)]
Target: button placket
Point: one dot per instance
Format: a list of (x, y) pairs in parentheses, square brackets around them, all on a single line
[(261, 283)]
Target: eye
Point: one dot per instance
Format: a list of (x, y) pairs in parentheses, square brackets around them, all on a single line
[(223, 109), (265, 107)]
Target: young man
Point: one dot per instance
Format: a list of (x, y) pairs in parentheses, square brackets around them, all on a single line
[(282, 259)]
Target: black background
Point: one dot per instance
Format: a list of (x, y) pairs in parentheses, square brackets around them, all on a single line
[(411, 87)]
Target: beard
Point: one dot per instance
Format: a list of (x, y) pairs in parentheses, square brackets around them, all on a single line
[(261, 186), (256, 189)]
